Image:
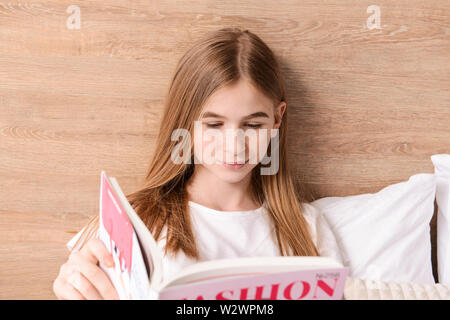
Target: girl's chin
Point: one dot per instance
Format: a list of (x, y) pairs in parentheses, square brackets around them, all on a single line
[(231, 178), (232, 174)]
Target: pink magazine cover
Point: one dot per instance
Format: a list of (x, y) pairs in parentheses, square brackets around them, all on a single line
[(117, 233), (325, 284)]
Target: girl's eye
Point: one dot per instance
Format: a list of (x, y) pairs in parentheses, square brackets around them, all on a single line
[(214, 125), (254, 125), (218, 124)]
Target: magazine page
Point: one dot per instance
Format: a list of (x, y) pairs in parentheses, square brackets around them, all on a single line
[(150, 250), (129, 276), (223, 268), (319, 284)]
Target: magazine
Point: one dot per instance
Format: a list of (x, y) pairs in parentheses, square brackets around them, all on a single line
[(138, 265)]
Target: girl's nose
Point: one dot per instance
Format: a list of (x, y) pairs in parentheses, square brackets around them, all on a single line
[(235, 146)]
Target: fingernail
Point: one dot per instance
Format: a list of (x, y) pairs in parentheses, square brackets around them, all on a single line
[(109, 263)]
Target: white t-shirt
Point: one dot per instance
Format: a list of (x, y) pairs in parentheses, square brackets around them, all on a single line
[(232, 234)]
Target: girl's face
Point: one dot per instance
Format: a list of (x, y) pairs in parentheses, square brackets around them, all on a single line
[(228, 110)]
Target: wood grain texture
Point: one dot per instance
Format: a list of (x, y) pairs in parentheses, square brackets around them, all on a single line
[(367, 108)]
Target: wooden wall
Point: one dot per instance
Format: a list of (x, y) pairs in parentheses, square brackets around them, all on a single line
[(368, 106)]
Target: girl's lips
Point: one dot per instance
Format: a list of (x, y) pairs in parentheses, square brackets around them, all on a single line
[(234, 165)]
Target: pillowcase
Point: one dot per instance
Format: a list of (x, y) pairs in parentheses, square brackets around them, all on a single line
[(442, 172), (386, 235)]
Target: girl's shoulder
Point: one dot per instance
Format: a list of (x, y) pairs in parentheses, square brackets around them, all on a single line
[(311, 215), (321, 233), (310, 211)]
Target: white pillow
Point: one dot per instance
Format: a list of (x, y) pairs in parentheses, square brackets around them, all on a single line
[(442, 172), (386, 235)]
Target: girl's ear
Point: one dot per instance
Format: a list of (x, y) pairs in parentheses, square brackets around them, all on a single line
[(279, 111)]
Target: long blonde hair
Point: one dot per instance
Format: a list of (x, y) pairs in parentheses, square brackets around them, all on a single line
[(219, 59)]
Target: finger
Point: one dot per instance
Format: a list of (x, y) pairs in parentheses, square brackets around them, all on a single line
[(83, 286), (72, 293), (95, 275), (97, 252), (64, 291)]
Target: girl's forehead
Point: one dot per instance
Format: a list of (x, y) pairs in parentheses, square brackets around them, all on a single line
[(237, 100)]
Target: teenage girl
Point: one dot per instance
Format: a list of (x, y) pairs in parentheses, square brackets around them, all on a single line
[(199, 211)]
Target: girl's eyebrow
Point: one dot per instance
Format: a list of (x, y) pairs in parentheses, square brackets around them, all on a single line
[(250, 116)]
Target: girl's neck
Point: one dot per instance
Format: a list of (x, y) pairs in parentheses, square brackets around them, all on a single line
[(206, 189)]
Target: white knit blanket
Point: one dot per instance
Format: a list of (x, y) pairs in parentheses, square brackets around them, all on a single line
[(359, 289)]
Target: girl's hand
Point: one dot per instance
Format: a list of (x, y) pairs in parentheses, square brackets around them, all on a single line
[(81, 277)]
